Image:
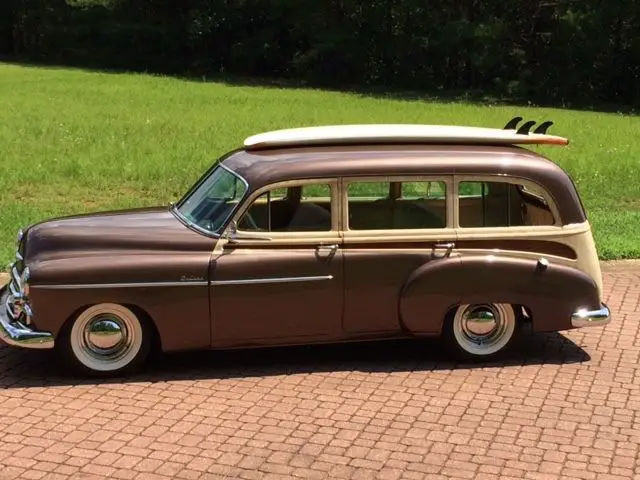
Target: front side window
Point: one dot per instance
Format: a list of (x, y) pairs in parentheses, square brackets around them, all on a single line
[(211, 203), (501, 204), (386, 205), (302, 208)]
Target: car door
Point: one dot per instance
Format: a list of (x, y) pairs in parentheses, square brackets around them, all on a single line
[(393, 226), (279, 277)]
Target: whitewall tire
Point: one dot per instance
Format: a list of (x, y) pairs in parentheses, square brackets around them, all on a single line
[(107, 339), (482, 331)]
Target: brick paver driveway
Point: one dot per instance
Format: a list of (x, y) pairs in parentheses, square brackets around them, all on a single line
[(566, 406)]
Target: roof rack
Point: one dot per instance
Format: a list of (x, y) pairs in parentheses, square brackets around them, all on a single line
[(405, 133)]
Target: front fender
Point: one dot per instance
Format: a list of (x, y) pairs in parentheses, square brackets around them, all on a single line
[(552, 292), (170, 287)]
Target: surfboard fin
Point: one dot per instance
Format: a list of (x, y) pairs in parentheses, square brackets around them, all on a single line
[(513, 123), (525, 127), (543, 127)]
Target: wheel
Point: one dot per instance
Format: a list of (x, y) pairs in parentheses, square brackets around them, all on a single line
[(107, 339), (482, 331)]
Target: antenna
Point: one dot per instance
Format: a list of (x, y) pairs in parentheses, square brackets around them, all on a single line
[(524, 128), (513, 123), (543, 127)]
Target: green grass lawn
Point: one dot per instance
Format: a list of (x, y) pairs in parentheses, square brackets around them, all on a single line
[(75, 141)]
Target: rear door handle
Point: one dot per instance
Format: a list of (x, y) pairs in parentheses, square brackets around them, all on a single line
[(327, 248), (448, 247)]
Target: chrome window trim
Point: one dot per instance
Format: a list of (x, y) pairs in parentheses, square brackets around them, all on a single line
[(254, 281), (122, 285)]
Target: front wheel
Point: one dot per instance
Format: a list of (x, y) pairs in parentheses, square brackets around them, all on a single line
[(480, 332), (106, 339)]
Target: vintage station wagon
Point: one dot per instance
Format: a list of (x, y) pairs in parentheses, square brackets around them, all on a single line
[(320, 234)]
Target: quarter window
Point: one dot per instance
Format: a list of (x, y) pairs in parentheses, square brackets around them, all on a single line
[(375, 205), (501, 204), (211, 203), (303, 208)]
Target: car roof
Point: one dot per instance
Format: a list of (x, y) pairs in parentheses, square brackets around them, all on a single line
[(267, 166)]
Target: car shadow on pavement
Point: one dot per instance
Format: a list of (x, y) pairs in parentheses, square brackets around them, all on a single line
[(20, 369)]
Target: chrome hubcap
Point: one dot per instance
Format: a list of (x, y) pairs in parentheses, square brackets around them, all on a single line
[(480, 321), (106, 337), (484, 328), (482, 324)]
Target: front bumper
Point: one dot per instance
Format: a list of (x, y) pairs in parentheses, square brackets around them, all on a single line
[(13, 332), (591, 318)]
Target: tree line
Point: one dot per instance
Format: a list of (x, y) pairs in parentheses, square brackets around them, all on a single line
[(544, 51)]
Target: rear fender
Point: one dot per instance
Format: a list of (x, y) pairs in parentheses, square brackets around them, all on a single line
[(552, 292)]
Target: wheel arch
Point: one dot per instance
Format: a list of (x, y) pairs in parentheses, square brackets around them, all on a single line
[(149, 322)]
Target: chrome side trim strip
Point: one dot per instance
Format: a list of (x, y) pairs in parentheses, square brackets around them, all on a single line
[(253, 281), (183, 284), (121, 285)]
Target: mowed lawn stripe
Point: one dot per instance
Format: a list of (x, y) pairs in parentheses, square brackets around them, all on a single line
[(78, 141)]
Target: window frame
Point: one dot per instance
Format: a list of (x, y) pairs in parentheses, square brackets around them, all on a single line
[(334, 192), (513, 180), (448, 180)]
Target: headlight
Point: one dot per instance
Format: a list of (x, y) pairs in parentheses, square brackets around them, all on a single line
[(19, 237)]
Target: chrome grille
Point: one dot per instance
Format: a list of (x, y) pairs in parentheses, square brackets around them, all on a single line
[(17, 302), (20, 251), (19, 263)]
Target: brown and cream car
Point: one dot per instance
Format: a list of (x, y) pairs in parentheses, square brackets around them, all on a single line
[(320, 234)]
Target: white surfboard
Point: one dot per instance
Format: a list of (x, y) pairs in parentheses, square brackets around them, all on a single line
[(397, 133)]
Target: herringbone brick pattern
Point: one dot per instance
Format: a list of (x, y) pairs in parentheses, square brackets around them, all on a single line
[(565, 406)]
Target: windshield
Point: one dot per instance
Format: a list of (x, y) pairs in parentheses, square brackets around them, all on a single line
[(211, 202)]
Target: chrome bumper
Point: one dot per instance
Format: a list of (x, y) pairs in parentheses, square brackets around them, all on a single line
[(13, 332), (591, 318)]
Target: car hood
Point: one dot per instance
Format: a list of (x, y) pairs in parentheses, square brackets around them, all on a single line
[(155, 228)]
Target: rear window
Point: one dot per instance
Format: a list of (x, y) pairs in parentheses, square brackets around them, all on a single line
[(501, 204)]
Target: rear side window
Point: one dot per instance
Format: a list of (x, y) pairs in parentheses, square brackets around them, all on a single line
[(501, 204), (395, 205)]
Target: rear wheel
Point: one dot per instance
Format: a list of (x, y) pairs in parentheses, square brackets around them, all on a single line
[(482, 331), (107, 339)]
